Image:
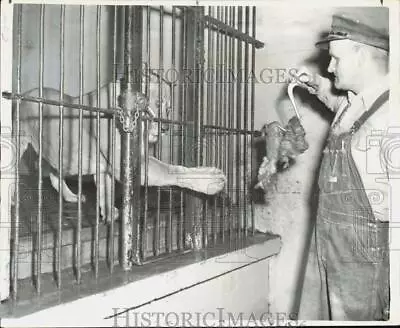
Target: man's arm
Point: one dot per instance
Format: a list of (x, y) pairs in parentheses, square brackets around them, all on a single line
[(324, 93), (321, 87)]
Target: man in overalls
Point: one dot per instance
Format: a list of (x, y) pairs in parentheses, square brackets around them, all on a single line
[(347, 275)]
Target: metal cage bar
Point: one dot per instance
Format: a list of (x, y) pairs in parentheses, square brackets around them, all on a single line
[(146, 141), (61, 144), (215, 123), (113, 136), (98, 135), (216, 24), (252, 105), (80, 158), (200, 54), (40, 173), (239, 124), (157, 235), (230, 118), (217, 113), (223, 115), (172, 128), (245, 118), (232, 138), (182, 110), (131, 139), (14, 284)]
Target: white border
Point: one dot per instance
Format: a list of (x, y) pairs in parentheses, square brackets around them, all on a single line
[(6, 52), (6, 121)]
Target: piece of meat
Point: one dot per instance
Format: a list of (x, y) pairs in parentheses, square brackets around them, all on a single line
[(283, 145), (273, 135), (293, 142)]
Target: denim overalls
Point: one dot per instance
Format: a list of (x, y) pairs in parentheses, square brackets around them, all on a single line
[(347, 275)]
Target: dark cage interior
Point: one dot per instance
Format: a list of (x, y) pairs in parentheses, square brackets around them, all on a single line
[(193, 66)]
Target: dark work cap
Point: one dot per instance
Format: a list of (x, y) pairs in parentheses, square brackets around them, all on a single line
[(368, 25)]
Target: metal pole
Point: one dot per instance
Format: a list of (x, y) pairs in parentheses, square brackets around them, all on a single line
[(61, 145), (113, 136), (145, 135), (40, 182), (14, 256), (246, 126), (252, 105), (239, 124), (81, 82), (133, 104), (98, 58)]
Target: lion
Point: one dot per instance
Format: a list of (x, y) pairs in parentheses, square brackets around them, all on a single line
[(207, 180)]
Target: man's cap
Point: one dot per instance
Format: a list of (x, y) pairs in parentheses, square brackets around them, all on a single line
[(368, 25)]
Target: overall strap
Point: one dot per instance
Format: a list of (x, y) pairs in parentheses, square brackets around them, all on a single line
[(367, 114)]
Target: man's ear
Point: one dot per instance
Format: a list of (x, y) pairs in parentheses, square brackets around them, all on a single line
[(362, 54)]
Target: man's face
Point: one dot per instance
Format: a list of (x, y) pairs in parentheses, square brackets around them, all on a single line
[(344, 63)]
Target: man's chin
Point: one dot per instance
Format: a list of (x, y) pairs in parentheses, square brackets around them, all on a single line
[(339, 86)]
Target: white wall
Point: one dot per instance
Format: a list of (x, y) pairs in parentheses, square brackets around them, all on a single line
[(30, 47), (235, 282), (289, 37)]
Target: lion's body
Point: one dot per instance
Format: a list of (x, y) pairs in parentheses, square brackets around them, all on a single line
[(207, 180)]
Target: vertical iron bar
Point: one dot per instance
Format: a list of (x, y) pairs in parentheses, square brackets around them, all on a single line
[(131, 156), (81, 81), (136, 53), (218, 91), (246, 127), (98, 58), (61, 146), (198, 86), (18, 142), (228, 123), (40, 182), (182, 90), (113, 137), (231, 184), (224, 114), (239, 123), (221, 50), (172, 127), (210, 52), (253, 63), (126, 159), (146, 182), (200, 111), (146, 140), (159, 145), (221, 82), (192, 105), (216, 111)]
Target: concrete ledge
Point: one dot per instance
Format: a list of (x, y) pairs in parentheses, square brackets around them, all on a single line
[(189, 270)]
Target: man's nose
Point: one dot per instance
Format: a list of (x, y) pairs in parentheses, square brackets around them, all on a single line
[(331, 67)]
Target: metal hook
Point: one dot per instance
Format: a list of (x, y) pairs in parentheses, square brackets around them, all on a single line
[(291, 97)]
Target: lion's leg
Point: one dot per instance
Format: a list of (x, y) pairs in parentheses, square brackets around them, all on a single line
[(68, 195), (104, 185), (208, 180)]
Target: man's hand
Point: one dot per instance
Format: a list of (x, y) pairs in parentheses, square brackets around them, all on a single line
[(307, 80), (320, 86)]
